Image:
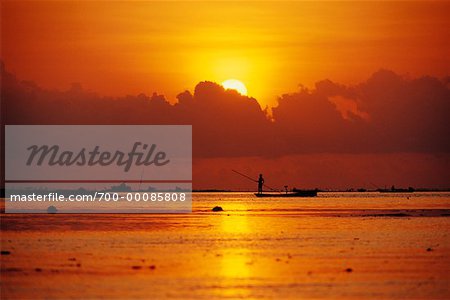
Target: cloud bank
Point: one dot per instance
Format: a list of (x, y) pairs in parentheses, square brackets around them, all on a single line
[(387, 113)]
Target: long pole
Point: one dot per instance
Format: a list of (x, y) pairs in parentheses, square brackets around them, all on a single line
[(248, 177), (140, 182)]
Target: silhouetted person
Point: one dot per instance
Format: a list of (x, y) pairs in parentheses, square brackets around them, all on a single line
[(260, 184)]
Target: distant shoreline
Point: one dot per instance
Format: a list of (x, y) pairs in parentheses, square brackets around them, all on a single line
[(381, 191), (326, 191)]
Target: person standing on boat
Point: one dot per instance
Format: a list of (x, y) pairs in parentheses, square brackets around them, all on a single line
[(260, 184)]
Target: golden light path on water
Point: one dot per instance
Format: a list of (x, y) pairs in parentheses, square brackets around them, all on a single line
[(235, 262)]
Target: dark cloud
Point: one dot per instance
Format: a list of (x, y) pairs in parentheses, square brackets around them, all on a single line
[(386, 113)]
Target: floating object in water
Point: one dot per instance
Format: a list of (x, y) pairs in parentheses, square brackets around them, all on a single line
[(52, 209), (217, 208), (348, 270), (6, 252)]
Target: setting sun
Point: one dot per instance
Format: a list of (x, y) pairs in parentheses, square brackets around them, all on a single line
[(233, 84)]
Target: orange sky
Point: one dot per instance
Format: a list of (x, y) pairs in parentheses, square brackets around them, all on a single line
[(118, 48)]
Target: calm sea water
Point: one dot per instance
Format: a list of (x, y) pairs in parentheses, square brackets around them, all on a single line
[(325, 201), (337, 245), (247, 202)]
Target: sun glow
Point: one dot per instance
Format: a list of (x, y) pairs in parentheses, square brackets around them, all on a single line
[(234, 84)]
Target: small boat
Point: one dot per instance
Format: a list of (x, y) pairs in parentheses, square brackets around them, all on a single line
[(294, 193)]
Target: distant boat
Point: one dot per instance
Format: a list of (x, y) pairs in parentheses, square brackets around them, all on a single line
[(393, 189), (121, 188), (294, 193)]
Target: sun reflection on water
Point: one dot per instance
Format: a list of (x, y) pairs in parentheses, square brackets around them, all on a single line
[(235, 261)]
